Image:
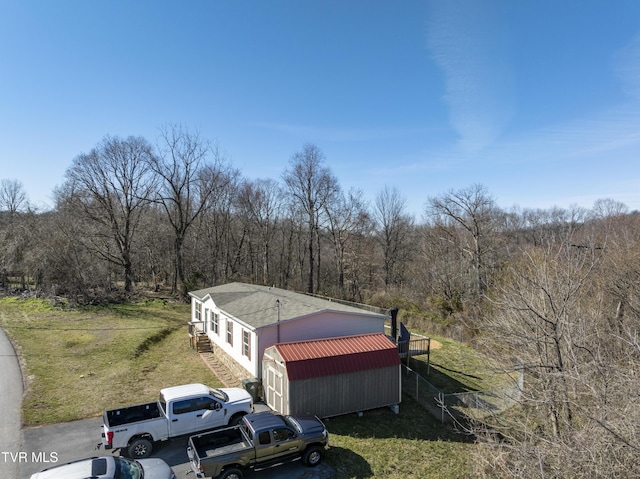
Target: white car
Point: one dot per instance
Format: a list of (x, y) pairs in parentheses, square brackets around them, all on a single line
[(109, 467)]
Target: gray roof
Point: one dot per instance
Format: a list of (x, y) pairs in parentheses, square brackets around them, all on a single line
[(257, 307)]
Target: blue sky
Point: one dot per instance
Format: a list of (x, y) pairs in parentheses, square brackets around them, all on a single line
[(538, 100)]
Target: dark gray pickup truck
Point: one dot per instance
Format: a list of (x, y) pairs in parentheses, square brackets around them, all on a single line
[(260, 441)]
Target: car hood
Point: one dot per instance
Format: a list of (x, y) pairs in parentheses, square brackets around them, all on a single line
[(156, 469), (237, 395)]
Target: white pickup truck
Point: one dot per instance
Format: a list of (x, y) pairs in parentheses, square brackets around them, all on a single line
[(181, 410)]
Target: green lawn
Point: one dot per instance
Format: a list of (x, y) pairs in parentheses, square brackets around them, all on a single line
[(82, 361), (407, 445)]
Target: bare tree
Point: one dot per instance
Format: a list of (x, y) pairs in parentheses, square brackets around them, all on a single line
[(442, 271), (395, 227), (13, 198), (216, 225), (110, 186), (472, 210), (347, 217), (607, 207), (312, 186), (60, 256), (187, 168), (262, 202), (552, 319)]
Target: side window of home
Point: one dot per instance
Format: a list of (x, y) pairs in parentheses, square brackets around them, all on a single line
[(282, 434), (214, 322), (229, 332), (182, 407), (264, 438)]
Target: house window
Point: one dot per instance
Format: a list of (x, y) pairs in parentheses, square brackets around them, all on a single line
[(197, 311), (229, 332), (214, 323), (246, 344)]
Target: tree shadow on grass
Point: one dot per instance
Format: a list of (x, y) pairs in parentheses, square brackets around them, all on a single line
[(443, 378), (348, 464), (413, 422)]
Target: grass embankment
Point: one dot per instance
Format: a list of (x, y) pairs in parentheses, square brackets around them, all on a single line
[(456, 368), (82, 361)]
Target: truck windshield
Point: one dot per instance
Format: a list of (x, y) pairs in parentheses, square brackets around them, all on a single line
[(216, 393), (127, 469), (291, 422)]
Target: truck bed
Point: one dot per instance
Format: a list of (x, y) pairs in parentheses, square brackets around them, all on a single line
[(127, 415), (220, 443)]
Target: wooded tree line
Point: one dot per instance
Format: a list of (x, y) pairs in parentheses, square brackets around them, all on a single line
[(553, 293)]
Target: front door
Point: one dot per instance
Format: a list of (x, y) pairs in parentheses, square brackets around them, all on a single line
[(274, 389)]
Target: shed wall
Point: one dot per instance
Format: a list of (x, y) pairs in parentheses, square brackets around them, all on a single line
[(334, 395)]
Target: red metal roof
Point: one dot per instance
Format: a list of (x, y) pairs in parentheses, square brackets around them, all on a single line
[(333, 356)]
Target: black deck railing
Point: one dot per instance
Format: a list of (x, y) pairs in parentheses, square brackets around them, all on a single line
[(414, 347)]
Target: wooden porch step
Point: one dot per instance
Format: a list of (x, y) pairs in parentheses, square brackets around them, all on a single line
[(203, 344)]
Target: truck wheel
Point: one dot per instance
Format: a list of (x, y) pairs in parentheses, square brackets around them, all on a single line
[(232, 473), (140, 448), (236, 418), (312, 456)]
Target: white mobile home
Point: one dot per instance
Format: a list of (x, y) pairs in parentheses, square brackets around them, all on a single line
[(242, 320)]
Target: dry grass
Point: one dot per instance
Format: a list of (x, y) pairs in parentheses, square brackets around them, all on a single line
[(82, 361)]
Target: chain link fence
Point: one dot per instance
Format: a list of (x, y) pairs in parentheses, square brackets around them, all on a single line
[(460, 407)]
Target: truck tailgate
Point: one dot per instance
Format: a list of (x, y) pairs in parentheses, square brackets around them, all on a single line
[(209, 452)]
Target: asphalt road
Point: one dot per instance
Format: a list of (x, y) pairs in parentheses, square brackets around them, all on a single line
[(11, 390)]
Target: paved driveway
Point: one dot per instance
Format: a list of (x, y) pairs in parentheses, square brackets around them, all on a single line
[(76, 440), (10, 405)]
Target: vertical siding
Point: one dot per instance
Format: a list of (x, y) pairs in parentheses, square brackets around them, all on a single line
[(347, 393)]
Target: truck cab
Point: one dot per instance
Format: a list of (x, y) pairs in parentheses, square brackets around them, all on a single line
[(196, 407), (273, 436)]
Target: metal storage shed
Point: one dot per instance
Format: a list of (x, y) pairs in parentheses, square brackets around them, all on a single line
[(334, 376)]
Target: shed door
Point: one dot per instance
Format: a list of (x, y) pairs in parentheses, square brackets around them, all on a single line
[(274, 388)]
